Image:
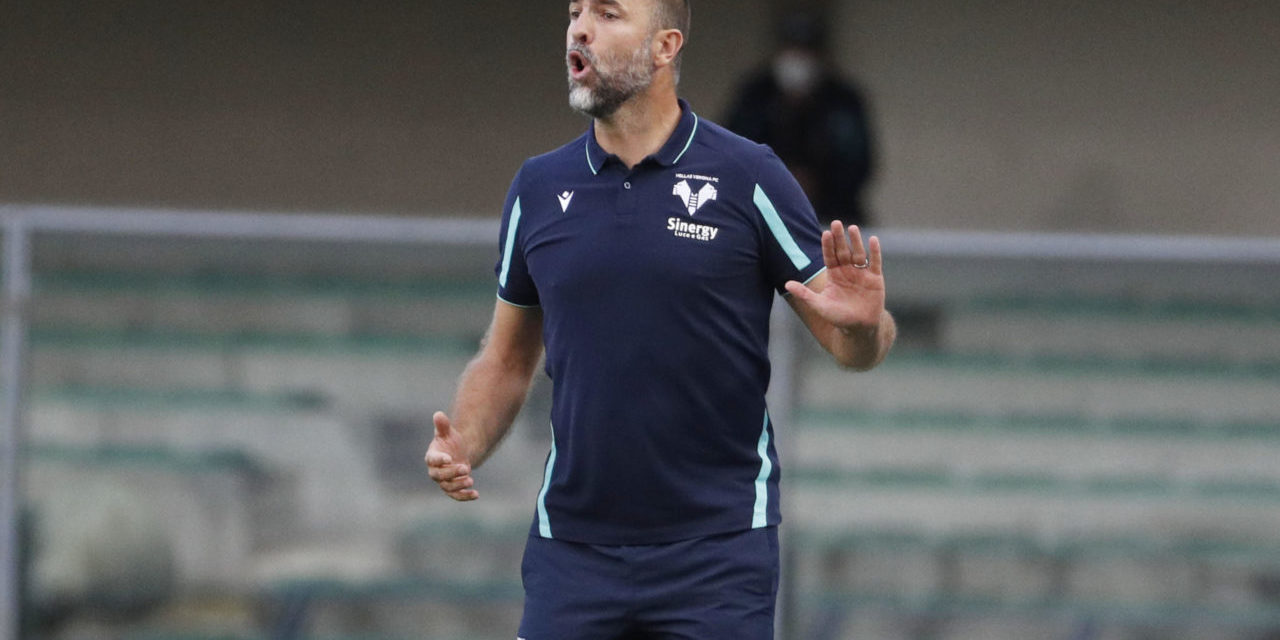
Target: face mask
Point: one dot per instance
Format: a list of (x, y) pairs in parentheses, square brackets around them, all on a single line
[(795, 71)]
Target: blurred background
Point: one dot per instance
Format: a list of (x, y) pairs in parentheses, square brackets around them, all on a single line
[(248, 248)]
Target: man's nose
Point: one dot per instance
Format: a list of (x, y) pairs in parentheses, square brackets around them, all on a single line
[(581, 29)]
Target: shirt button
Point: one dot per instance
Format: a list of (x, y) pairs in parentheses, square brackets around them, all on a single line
[(626, 185)]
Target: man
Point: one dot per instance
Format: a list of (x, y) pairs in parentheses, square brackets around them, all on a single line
[(812, 118), (645, 255)]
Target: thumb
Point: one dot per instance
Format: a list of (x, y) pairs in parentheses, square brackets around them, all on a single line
[(442, 424), (801, 293)]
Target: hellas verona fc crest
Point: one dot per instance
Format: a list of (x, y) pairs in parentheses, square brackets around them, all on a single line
[(693, 200)]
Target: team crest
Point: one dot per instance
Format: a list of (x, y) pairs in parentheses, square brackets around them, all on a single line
[(693, 200)]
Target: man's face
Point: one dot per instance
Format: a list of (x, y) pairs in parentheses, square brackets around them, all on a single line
[(609, 53)]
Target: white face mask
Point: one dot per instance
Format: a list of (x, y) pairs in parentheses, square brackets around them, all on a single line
[(796, 71)]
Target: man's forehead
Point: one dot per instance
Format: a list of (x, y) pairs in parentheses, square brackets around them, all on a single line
[(610, 3)]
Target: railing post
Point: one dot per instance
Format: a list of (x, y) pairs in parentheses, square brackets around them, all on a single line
[(16, 290), (784, 358)]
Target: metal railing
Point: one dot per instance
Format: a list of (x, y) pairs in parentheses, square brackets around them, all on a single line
[(923, 266)]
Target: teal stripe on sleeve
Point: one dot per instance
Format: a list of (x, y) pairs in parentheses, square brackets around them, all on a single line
[(761, 516), (511, 242), (544, 523), (779, 229)]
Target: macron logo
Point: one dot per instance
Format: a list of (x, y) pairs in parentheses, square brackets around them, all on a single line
[(565, 198)]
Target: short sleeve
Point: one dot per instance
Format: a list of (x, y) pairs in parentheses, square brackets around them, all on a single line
[(792, 236), (515, 286)]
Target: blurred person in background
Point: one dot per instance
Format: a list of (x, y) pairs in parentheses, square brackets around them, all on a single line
[(813, 119), (645, 256)]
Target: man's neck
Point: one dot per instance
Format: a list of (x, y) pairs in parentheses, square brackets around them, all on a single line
[(641, 126)]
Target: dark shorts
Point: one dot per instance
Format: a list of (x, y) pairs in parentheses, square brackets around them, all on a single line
[(718, 587)]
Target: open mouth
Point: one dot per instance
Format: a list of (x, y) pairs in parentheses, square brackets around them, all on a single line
[(578, 64)]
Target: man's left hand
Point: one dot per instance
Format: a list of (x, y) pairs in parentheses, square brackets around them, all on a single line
[(853, 298)]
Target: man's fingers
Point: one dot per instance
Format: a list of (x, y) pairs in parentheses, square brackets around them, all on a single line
[(437, 458), (448, 472), (441, 422), (465, 495), (459, 487), (857, 252), (877, 264), (457, 484), (800, 292), (829, 249), (454, 478), (840, 239)]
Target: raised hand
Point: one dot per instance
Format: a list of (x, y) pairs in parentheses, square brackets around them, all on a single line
[(853, 297), (447, 461)]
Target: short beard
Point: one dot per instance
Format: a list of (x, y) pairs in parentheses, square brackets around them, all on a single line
[(614, 87)]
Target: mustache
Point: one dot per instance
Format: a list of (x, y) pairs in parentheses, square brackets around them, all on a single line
[(582, 50)]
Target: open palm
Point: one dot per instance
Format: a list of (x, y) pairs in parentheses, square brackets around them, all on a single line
[(853, 297)]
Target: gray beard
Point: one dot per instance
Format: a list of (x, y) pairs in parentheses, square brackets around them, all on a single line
[(613, 87)]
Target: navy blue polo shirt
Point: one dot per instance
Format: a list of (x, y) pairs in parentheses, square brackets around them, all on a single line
[(655, 285)]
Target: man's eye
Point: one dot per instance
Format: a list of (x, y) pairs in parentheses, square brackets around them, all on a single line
[(610, 15), (573, 15)]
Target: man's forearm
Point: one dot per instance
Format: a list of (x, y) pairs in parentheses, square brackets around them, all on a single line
[(863, 349), (490, 394)]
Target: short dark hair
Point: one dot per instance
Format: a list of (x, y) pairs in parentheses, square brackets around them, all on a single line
[(673, 14)]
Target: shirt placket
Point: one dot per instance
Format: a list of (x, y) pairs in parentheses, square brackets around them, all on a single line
[(628, 186)]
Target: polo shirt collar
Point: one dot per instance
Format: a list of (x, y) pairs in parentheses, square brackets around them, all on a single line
[(670, 153)]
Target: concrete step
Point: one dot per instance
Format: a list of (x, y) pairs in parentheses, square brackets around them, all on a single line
[(1114, 328), (112, 516), (390, 371), (933, 382), (327, 463), (1006, 571), (1030, 444), (239, 302), (935, 503)]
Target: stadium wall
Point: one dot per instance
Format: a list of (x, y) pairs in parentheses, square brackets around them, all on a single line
[(1137, 116), (999, 114)]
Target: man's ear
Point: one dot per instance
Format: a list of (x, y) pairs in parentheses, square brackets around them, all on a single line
[(666, 46)]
